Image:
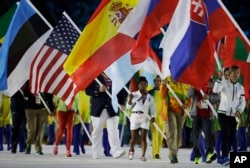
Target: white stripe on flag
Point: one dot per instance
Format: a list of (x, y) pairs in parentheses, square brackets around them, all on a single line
[(248, 58), (174, 34), (133, 22), (22, 71)]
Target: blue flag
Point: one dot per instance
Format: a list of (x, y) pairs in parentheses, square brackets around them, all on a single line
[(25, 28)]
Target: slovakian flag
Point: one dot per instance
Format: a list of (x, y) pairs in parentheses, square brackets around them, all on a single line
[(220, 20), (46, 72), (159, 13), (25, 29), (5, 20), (188, 45), (100, 44)]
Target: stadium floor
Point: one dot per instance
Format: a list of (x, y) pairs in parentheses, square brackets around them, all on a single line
[(21, 160)]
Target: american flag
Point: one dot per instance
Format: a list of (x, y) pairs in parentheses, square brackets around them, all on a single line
[(47, 73)]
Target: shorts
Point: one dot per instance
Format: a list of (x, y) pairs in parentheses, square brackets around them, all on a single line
[(138, 121)]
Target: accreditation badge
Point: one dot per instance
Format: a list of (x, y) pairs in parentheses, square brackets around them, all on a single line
[(38, 100), (204, 104)]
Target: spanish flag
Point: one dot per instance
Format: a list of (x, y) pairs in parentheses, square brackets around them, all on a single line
[(100, 44)]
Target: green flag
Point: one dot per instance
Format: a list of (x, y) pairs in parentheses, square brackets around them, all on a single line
[(241, 52), (5, 21)]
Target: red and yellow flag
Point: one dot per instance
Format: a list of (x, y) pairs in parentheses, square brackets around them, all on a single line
[(100, 44)]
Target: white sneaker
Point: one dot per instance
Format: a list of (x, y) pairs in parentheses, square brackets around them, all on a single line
[(119, 154), (130, 155), (95, 156)]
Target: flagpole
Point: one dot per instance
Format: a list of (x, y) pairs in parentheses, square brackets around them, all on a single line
[(79, 117), (84, 127), (217, 61), (209, 104), (97, 80), (234, 22), (48, 109), (177, 98), (155, 125), (71, 21), (162, 31), (122, 129), (108, 93), (42, 17), (169, 87)]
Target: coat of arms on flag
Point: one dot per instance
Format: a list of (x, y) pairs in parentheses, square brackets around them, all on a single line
[(119, 12)]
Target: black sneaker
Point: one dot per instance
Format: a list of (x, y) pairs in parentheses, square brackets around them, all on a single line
[(28, 149), (174, 160), (13, 149), (39, 152), (157, 156), (211, 157), (107, 154)]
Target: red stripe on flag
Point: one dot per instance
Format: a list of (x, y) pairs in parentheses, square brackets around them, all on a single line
[(53, 78), (101, 59), (47, 73), (69, 89), (34, 77), (159, 17), (52, 82), (202, 67), (220, 24), (98, 10), (61, 84), (51, 65)]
